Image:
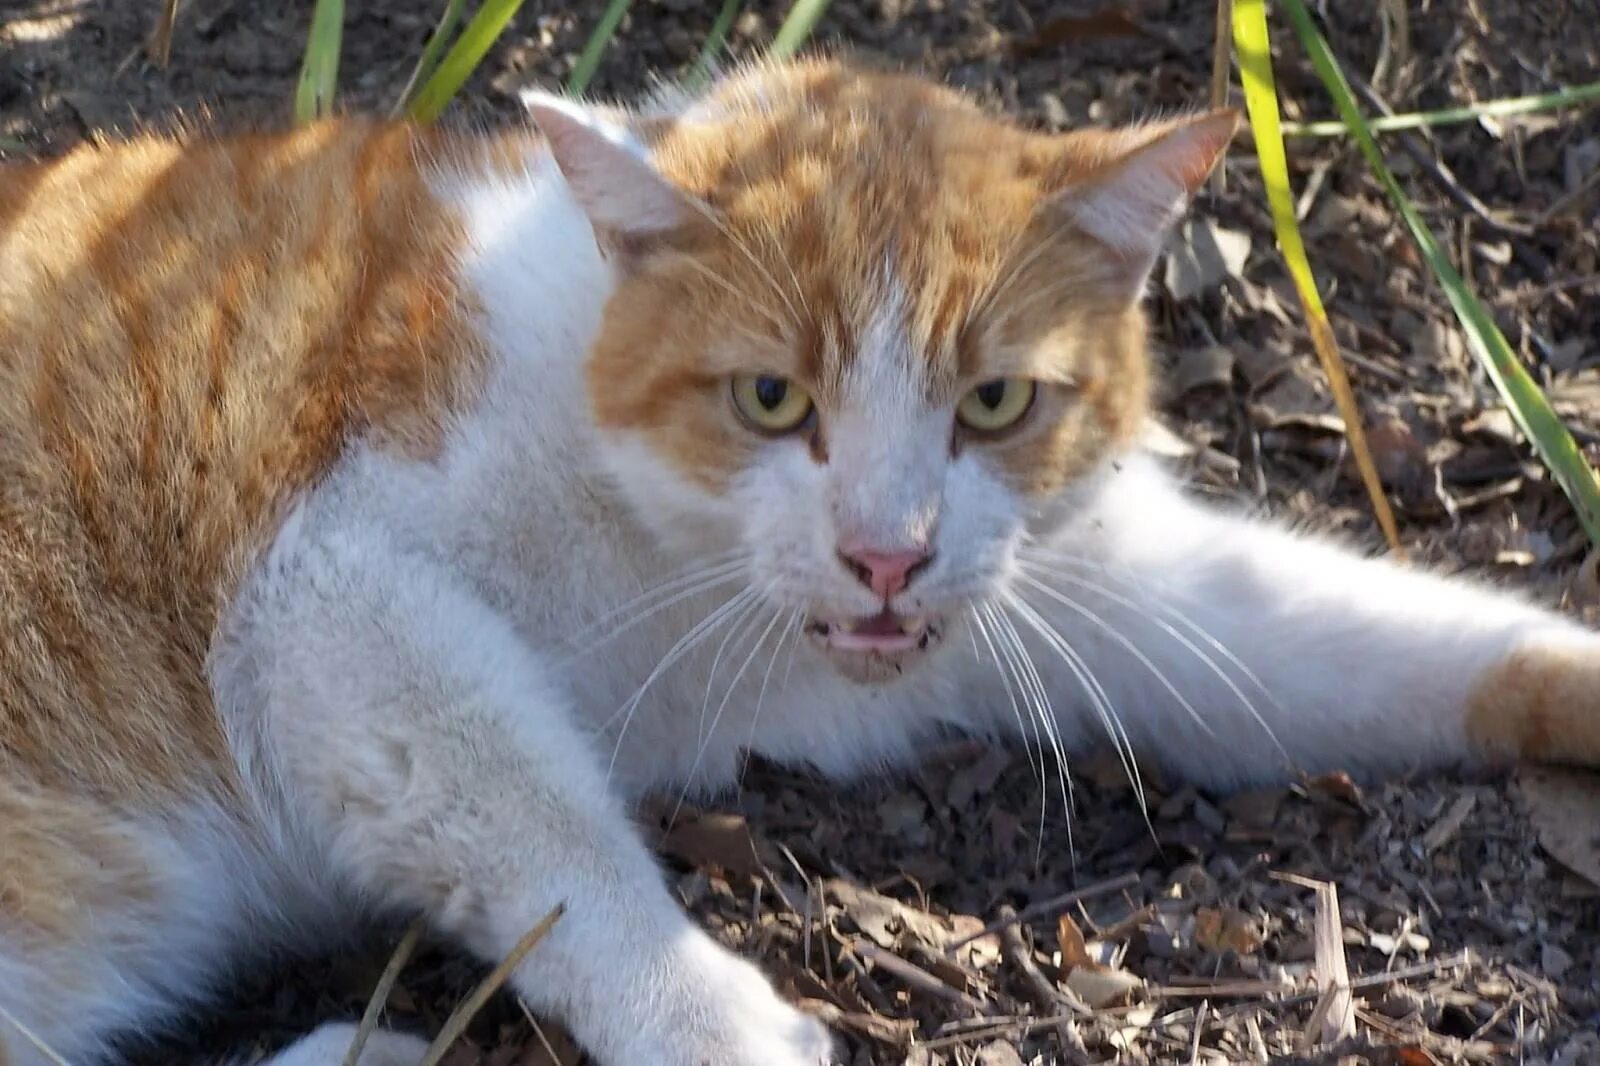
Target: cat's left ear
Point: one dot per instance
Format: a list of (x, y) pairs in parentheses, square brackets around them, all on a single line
[(609, 172), (1137, 182)]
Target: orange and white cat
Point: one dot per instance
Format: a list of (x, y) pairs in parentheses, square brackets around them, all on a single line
[(383, 510)]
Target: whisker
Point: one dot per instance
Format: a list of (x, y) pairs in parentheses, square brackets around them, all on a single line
[(1040, 708), (678, 588), (684, 644), (1042, 698), (705, 744), (1143, 611), (1122, 641), (790, 628), (1097, 694), (736, 630), (973, 630)]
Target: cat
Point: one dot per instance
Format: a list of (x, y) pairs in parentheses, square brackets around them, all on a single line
[(384, 511)]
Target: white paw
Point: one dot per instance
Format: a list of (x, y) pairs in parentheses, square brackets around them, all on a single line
[(727, 1014)]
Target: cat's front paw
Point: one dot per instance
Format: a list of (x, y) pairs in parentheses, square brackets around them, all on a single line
[(729, 1015)]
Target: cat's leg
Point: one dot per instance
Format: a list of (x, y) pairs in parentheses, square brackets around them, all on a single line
[(112, 921), (401, 725), (1260, 652)]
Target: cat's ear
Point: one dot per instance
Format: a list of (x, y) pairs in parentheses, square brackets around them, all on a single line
[(1139, 181), (609, 172)]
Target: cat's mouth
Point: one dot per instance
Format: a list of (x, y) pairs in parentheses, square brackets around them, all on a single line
[(886, 633)]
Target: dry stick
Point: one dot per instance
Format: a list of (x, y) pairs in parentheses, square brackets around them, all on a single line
[(915, 976), (468, 1009), (380, 994), (1436, 170), (1020, 1027), (1221, 53), (161, 37), (1042, 990), (1051, 906)]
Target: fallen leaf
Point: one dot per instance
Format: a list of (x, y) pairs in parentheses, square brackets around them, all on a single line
[(1564, 807), (1107, 23), (1100, 986), (1200, 255), (711, 839), (1074, 952), (884, 920), (1227, 929)]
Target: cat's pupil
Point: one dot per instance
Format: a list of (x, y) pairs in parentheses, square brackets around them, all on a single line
[(991, 394), (770, 392)]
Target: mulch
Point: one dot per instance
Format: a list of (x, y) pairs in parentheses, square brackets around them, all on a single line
[(932, 919)]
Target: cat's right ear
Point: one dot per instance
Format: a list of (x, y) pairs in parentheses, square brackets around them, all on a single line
[(610, 175)]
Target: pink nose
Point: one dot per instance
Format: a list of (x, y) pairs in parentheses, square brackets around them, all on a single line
[(884, 572)]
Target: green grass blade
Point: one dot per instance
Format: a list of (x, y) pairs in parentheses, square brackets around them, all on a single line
[(428, 62), (1577, 96), (463, 58), (589, 60), (715, 38), (797, 27), (1527, 404), (1252, 46), (319, 72)]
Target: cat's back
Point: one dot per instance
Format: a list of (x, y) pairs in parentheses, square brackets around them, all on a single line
[(190, 333)]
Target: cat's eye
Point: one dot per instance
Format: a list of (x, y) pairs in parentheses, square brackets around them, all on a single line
[(770, 403), (997, 405)]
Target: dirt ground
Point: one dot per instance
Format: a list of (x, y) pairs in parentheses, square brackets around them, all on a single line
[(1465, 939)]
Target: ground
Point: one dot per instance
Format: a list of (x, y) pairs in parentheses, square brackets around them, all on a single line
[(1466, 940)]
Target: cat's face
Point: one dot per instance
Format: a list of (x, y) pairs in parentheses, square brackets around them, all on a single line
[(867, 337)]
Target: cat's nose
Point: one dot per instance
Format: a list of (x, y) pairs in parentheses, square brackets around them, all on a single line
[(884, 572)]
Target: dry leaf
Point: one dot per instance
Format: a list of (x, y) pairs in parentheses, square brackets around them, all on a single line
[(1101, 986), (720, 840), (883, 919), (1227, 929), (1564, 807), (1103, 24), (1074, 952), (1201, 255)]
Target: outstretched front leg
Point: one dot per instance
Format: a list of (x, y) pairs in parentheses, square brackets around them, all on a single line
[(1238, 652), (398, 731)]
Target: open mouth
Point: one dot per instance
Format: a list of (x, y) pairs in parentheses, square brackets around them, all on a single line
[(884, 633)]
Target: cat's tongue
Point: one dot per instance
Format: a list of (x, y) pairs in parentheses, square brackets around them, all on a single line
[(883, 632)]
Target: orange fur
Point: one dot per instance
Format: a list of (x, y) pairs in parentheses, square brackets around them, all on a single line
[(1541, 704), (189, 334), (824, 186)]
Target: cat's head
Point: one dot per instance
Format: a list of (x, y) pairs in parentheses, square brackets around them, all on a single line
[(865, 335)]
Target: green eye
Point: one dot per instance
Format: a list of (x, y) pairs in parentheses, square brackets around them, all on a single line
[(770, 403), (996, 405)]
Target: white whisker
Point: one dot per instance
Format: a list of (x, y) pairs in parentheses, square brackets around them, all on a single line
[(1097, 693), (1038, 567), (705, 743), (1122, 641), (683, 646)]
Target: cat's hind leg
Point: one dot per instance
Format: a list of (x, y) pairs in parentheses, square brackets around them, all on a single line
[(104, 932)]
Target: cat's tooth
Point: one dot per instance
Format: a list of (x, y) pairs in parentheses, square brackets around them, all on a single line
[(912, 623)]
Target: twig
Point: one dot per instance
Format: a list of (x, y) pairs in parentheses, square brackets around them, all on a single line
[(380, 993), (915, 976), (468, 1009), (160, 46), (1448, 826), (1051, 906), (1436, 170), (1221, 55), (1042, 990), (1019, 1027), (1566, 200)]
